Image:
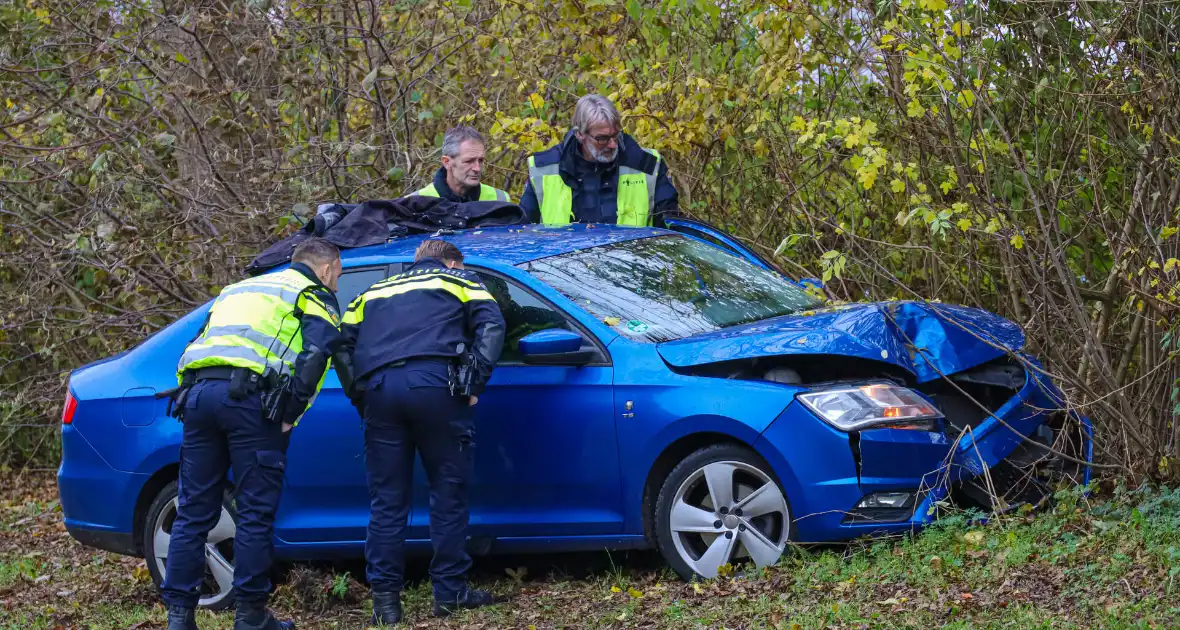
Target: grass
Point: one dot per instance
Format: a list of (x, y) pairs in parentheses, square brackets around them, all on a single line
[(1109, 562)]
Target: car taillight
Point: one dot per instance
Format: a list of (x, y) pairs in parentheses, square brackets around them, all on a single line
[(67, 414)]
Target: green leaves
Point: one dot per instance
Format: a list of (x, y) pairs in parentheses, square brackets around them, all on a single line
[(833, 263)]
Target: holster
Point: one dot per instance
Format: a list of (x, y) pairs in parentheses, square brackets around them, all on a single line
[(277, 394), (177, 396), (244, 382), (461, 372)]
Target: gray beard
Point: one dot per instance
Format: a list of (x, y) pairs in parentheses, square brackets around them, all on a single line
[(601, 156)]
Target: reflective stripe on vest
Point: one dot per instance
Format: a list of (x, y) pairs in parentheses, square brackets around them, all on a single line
[(635, 200), (252, 324), (486, 193)]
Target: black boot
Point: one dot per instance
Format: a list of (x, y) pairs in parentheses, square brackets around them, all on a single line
[(387, 609), (257, 617), (180, 618), (468, 598)]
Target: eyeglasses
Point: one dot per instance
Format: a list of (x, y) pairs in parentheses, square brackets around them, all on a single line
[(605, 139)]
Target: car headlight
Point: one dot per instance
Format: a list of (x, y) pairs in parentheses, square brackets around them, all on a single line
[(853, 408)]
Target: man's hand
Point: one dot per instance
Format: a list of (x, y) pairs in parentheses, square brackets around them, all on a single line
[(287, 427), (474, 399)]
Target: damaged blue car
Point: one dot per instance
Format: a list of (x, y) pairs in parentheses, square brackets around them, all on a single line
[(663, 388)]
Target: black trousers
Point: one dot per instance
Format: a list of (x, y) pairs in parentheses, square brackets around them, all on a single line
[(220, 433), (410, 409)]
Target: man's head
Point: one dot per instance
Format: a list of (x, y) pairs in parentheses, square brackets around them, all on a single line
[(597, 125), (322, 257), (462, 158), (442, 251)]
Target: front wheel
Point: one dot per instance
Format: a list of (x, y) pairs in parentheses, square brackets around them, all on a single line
[(217, 587), (721, 506)]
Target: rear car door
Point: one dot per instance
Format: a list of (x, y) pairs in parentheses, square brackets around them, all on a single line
[(546, 458), (327, 498)]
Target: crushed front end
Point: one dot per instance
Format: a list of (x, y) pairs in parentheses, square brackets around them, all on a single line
[(993, 445)]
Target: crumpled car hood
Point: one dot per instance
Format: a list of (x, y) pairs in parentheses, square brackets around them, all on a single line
[(927, 339)]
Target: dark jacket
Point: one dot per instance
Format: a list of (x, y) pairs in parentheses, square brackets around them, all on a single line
[(445, 192), (425, 311), (321, 340), (595, 186), (373, 222)]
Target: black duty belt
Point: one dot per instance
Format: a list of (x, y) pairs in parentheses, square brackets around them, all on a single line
[(416, 360), (220, 372)]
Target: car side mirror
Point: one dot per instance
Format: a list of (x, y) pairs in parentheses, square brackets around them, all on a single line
[(555, 346)]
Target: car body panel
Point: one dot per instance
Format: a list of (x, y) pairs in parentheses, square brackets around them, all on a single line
[(945, 340), (997, 436), (538, 473), (665, 407), (325, 499), (91, 490), (816, 468)]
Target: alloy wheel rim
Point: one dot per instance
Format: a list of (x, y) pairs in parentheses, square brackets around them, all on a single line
[(727, 512), (219, 567)]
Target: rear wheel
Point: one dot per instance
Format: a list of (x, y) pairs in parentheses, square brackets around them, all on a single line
[(217, 587), (721, 506)]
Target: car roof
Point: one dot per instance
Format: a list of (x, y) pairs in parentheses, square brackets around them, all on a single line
[(511, 245)]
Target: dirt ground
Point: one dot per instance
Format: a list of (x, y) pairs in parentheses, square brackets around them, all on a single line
[(1108, 562)]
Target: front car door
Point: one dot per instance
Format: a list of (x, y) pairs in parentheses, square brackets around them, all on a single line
[(546, 455)]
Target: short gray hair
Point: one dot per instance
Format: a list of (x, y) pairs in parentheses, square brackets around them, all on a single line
[(456, 136), (595, 108)]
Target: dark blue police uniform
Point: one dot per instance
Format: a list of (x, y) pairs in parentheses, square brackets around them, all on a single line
[(404, 334), (225, 428)]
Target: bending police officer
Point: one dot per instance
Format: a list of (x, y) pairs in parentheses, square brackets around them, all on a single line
[(252, 371), (424, 343)]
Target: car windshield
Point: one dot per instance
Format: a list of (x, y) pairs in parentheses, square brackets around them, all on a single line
[(669, 287)]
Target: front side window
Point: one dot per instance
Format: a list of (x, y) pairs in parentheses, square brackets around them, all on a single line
[(669, 287), (523, 313)]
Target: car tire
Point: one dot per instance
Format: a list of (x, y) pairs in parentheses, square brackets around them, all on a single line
[(697, 536), (217, 587)]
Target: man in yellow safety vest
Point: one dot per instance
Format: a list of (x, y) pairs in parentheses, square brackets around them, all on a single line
[(460, 176), (598, 174), (245, 381)]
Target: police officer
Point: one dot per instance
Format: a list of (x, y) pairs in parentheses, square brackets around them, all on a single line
[(460, 176), (424, 343), (245, 381)]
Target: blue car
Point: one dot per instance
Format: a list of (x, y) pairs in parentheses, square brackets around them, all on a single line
[(663, 388)]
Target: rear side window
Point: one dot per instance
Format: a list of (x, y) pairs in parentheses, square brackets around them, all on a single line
[(354, 282)]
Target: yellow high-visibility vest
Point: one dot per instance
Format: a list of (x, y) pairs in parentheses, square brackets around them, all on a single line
[(255, 324), (635, 202), (486, 193)]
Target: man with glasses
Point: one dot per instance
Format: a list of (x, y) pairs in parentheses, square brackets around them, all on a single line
[(598, 174)]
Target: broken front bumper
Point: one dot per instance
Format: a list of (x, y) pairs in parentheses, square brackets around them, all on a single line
[(844, 485)]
